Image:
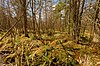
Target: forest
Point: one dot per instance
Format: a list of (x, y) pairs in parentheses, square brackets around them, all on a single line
[(49, 32)]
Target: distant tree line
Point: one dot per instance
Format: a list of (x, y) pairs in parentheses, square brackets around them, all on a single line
[(36, 16)]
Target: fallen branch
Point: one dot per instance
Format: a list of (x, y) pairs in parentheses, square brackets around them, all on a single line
[(10, 28)]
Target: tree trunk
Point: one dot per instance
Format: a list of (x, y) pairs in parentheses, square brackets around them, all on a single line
[(25, 18)]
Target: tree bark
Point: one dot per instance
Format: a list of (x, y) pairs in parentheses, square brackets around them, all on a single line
[(25, 18)]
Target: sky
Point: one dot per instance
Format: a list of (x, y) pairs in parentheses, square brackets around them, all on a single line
[(55, 1), (86, 1)]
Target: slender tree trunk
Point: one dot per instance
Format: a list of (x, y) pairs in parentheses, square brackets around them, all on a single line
[(80, 18), (74, 18), (40, 10), (46, 14), (25, 18), (69, 17), (33, 15)]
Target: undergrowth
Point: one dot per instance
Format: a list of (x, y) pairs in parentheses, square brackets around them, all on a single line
[(49, 51)]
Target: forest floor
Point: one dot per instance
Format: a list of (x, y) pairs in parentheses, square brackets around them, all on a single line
[(44, 50)]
